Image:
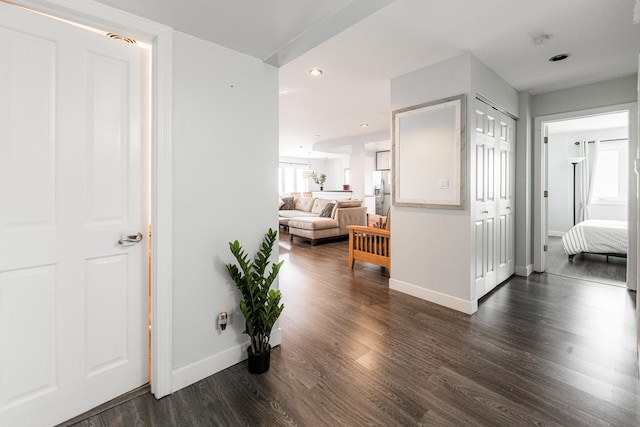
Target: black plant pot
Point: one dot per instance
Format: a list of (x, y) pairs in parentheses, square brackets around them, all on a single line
[(259, 362)]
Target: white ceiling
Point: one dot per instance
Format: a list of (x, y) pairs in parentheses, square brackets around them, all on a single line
[(362, 44)]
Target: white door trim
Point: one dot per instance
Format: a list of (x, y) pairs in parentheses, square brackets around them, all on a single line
[(98, 15), (540, 184)]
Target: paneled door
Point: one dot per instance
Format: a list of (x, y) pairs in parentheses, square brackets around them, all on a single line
[(485, 199), (505, 255), (493, 191), (73, 305)]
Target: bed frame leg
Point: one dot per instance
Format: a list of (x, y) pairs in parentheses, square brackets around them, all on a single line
[(571, 258)]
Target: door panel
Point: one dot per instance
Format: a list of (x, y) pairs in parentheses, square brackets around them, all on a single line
[(106, 322), (480, 173), (489, 267), (107, 145), (491, 173), (479, 253), (27, 298), (27, 132), (73, 306)]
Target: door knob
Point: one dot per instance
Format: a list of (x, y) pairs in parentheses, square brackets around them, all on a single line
[(130, 239)]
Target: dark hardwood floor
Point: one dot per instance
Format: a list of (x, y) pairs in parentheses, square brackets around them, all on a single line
[(596, 268), (546, 350)]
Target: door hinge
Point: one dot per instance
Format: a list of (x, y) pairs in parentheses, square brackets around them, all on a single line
[(545, 248), (546, 193), (546, 139)]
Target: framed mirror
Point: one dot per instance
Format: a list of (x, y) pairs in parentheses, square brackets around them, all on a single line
[(429, 153)]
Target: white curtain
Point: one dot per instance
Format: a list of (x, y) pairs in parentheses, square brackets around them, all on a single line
[(585, 177)]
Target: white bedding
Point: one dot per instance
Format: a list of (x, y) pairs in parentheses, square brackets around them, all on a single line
[(596, 236)]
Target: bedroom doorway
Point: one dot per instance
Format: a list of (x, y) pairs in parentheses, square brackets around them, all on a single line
[(584, 175)]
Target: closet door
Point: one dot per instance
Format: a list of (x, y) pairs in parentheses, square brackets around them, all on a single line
[(484, 229), (505, 188), (493, 204)]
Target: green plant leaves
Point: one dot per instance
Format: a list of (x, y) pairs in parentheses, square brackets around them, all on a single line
[(260, 304)]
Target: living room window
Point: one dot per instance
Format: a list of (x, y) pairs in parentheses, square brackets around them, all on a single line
[(291, 179)]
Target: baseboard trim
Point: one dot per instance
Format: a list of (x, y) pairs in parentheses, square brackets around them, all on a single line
[(524, 271), (201, 369), (455, 303), (194, 372)]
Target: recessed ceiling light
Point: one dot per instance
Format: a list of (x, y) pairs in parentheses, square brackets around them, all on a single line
[(559, 57), (315, 72), (364, 125)]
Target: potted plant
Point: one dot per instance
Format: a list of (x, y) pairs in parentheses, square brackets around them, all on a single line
[(319, 179), (260, 305)]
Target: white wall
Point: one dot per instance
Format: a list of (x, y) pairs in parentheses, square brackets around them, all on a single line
[(224, 173), (432, 247), (358, 167), (524, 187), (610, 92), (369, 168), (335, 172)]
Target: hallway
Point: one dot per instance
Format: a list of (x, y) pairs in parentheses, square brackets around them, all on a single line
[(355, 353)]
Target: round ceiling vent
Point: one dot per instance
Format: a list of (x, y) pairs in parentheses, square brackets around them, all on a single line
[(121, 38)]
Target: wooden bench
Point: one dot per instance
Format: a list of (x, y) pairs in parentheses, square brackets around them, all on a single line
[(369, 244)]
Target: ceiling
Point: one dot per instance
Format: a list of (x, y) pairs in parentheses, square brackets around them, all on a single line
[(362, 44)]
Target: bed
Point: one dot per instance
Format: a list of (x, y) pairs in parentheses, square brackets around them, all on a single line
[(596, 236)]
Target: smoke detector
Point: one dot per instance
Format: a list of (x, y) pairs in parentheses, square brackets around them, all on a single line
[(541, 38)]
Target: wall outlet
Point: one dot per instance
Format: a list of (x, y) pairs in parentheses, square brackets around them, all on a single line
[(444, 184)]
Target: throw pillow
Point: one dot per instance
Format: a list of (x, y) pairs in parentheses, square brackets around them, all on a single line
[(289, 204), (355, 203), (327, 211)]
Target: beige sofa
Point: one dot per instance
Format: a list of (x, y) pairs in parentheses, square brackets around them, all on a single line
[(305, 219)]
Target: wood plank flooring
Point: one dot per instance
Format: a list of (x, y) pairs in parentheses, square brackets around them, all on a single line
[(546, 350), (586, 266)]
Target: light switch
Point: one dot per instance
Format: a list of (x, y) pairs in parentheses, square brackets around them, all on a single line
[(444, 184)]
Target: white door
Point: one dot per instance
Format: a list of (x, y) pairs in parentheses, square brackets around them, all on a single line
[(73, 301), (505, 254), (485, 202)]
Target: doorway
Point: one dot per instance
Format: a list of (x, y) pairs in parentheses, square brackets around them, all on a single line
[(591, 142), (588, 176)]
